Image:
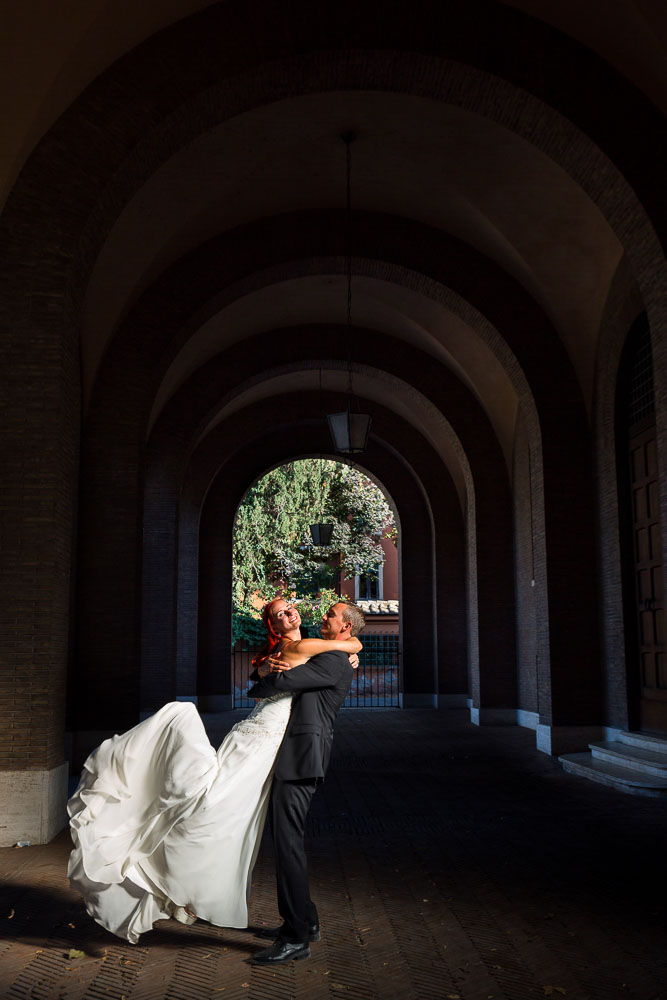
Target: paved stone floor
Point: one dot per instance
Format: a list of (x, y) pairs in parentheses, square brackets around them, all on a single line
[(447, 862)]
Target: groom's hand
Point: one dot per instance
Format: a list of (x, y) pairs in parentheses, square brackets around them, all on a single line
[(276, 665)]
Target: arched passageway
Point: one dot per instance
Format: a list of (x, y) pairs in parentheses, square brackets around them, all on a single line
[(174, 252), (274, 551)]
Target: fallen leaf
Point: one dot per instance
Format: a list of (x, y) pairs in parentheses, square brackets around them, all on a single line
[(453, 996), (71, 925), (245, 986), (75, 953), (10, 914), (206, 956)]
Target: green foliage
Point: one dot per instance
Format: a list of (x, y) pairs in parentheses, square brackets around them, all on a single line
[(391, 533), (247, 628), (273, 550), (247, 624), (312, 609)]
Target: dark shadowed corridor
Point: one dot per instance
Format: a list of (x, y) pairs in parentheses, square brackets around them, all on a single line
[(448, 861)]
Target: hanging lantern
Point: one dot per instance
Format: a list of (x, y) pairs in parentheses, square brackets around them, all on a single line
[(349, 431), (321, 533), (350, 428)]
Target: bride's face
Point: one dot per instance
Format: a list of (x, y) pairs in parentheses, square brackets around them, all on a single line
[(285, 617)]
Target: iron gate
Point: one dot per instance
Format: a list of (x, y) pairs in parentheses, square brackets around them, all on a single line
[(374, 685)]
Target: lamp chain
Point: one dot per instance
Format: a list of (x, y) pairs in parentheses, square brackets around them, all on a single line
[(348, 258)]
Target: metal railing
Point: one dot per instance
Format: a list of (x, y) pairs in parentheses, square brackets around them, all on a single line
[(375, 684), (241, 670)]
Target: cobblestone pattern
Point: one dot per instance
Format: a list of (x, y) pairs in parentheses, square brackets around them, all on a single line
[(447, 862)]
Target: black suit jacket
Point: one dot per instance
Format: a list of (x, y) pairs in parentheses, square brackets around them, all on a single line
[(321, 686)]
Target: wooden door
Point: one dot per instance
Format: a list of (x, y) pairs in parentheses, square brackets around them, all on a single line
[(652, 659)]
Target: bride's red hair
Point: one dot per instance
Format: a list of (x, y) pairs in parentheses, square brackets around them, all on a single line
[(272, 637)]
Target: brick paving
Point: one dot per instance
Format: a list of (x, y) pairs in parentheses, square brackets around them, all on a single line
[(447, 862)]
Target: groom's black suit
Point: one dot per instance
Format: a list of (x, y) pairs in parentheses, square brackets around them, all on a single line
[(320, 686)]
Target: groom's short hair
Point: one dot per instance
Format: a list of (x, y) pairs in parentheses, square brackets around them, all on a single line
[(351, 613)]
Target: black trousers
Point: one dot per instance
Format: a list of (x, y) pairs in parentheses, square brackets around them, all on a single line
[(290, 801)]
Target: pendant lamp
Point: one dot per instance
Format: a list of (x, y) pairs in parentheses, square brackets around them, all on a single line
[(349, 428)]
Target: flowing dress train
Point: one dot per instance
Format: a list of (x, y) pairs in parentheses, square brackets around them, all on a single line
[(161, 821)]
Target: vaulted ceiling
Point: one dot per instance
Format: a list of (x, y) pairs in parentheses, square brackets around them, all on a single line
[(469, 154)]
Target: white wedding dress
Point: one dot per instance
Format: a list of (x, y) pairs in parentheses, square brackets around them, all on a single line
[(161, 821)]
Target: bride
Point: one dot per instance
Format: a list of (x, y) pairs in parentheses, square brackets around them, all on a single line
[(165, 826)]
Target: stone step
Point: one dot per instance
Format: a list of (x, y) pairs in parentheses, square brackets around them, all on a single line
[(633, 757), (658, 744), (624, 779)]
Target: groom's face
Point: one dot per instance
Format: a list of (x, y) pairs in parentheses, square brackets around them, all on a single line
[(333, 624)]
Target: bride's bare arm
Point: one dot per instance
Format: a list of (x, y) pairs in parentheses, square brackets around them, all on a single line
[(301, 651), (296, 653)]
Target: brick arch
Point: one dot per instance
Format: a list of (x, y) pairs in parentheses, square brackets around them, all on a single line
[(172, 487), (160, 323), (74, 186), (113, 598), (70, 176), (431, 491), (180, 87), (433, 595)]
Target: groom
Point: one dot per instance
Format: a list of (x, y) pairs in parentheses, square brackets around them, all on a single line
[(321, 686)]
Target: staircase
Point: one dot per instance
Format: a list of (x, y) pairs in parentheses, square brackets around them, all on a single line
[(633, 763)]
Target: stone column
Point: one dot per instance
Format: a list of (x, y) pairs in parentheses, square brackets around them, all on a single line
[(38, 488)]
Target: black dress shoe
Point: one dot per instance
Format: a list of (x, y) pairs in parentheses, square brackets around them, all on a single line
[(281, 951), (275, 932)]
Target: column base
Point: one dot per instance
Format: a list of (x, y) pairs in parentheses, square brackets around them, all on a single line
[(453, 701), (415, 700), (529, 720), (556, 740), (33, 805), (493, 716)]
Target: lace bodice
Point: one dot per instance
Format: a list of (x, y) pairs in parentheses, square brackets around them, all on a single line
[(268, 719)]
